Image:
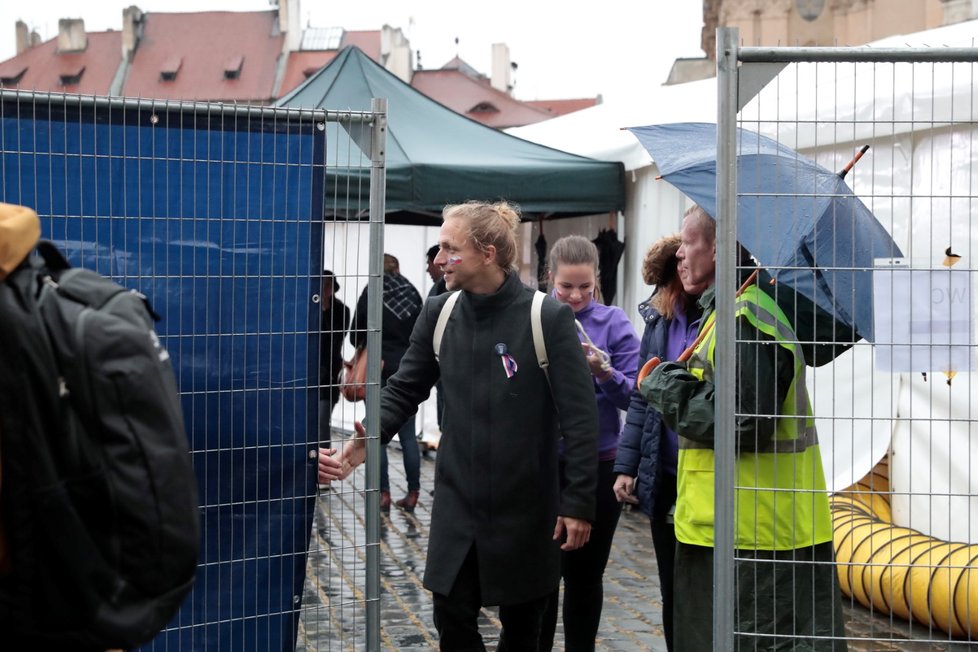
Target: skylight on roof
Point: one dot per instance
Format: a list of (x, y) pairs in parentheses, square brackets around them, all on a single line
[(321, 38), (484, 107), (12, 77), (69, 77), (170, 68), (232, 67)]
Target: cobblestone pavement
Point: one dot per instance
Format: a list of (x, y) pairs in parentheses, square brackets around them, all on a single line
[(333, 601)]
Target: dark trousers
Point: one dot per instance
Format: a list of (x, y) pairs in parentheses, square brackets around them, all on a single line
[(457, 616), (664, 542), (410, 454), (784, 601), (583, 573)]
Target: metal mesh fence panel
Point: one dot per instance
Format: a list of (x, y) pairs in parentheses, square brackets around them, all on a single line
[(216, 214), (849, 416)]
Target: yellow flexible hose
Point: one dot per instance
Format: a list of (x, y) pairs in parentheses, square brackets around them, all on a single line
[(898, 570)]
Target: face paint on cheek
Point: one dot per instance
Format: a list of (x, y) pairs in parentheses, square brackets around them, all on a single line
[(454, 260)]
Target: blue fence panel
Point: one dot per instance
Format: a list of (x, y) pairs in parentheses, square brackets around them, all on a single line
[(215, 214)]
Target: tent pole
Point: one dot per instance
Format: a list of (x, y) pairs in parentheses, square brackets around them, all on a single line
[(724, 589), (375, 293)]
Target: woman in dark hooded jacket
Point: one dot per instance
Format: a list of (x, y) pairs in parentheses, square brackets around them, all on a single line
[(648, 450)]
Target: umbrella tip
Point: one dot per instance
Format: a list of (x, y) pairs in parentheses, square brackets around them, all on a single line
[(844, 171)]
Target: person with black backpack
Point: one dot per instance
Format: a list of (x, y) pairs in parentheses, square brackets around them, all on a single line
[(501, 515), (99, 499)]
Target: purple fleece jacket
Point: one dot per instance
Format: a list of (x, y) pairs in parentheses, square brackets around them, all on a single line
[(613, 333)]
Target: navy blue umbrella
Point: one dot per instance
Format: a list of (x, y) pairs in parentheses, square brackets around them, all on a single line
[(801, 221)]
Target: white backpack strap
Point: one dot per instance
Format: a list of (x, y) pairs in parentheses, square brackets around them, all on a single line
[(536, 323), (446, 312)]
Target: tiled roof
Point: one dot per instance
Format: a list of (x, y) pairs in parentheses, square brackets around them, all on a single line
[(563, 107), (320, 46), (201, 45), (476, 99), (457, 63), (42, 68), (301, 66), (368, 41)]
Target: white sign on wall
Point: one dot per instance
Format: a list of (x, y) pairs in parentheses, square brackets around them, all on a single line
[(922, 318)]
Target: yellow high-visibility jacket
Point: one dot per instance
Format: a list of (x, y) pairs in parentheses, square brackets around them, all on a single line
[(780, 502)]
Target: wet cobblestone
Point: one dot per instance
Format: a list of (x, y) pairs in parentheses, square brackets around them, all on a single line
[(334, 612)]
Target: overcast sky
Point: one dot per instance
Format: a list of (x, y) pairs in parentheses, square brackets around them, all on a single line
[(563, 49)]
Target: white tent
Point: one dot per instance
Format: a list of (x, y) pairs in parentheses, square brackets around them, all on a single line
[(653, 208), (919, 179)]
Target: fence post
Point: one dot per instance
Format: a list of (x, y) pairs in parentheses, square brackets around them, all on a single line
[(375, 292), (724, 591)]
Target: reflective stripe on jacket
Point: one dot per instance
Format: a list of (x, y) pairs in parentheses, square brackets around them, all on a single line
[(781, 502)]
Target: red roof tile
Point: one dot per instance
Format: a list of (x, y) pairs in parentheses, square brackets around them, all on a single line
[(204, 43), (43, 67), (563, 107), (368, 41), (475, 99), (302, 65)]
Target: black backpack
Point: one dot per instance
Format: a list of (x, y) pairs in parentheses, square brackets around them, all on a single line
[(98, 496)]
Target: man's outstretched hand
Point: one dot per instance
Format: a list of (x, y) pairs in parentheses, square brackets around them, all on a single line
[(337, 466)]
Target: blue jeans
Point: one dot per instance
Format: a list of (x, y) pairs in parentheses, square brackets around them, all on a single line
[(412, 458)]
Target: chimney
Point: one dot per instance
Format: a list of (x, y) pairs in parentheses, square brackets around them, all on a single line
[(289, 17), (23, 36), (502, 69), (71, 35), (132, 30), (35, 38)]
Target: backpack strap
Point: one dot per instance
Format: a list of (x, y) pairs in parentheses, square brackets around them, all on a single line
[(446, 312), (536, 324), (54, 260)]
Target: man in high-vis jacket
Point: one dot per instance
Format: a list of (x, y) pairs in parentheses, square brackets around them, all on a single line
[(787, 596)]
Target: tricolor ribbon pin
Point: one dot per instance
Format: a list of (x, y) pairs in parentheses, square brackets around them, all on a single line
[(509, 362)]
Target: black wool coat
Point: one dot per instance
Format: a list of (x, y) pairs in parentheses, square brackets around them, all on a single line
[(496, 476)]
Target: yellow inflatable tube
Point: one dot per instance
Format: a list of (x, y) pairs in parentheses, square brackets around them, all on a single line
[(898, 570)]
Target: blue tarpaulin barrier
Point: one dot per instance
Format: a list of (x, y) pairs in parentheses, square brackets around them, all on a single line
[(215, 214)]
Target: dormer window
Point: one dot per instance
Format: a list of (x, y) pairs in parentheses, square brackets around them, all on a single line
[(232, 67), (170, 68), (484, 107), (12, 77), (71, 77)]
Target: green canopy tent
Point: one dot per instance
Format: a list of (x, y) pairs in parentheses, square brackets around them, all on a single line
[(437, 157)]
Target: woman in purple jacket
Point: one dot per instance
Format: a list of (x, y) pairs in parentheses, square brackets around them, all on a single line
[(611, 346)]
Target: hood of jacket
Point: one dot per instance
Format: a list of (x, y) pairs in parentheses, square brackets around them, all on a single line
[(19, 230)]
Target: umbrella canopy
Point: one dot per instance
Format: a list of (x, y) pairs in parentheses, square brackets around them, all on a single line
[(798, 219), (437, 157)]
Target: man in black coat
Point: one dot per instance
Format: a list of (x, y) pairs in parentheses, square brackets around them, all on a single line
[(500, 516)]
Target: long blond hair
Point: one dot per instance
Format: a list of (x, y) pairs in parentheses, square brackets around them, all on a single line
[(488, 225)]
